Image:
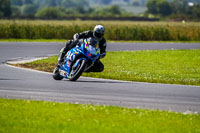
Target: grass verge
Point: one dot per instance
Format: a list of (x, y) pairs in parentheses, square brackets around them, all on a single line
[(19, 116), (155, 66)]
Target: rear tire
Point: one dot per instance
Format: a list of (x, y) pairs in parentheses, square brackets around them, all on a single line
[(80, 70), (56, 74)]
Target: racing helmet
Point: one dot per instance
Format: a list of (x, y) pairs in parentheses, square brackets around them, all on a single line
[(98, 31)]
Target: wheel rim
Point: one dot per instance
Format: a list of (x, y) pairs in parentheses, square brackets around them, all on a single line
[(74, 71)]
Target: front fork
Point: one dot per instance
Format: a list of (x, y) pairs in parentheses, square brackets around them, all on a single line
[(61, 56)]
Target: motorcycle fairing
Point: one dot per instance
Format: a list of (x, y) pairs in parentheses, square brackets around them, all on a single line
[(85, 51)]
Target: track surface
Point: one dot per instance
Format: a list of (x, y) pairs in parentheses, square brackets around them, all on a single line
[(26, 84)]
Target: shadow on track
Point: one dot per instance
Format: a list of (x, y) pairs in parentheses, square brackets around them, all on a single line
[(96, 81), (8, 79)]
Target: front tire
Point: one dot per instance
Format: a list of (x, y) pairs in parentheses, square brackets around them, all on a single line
[(56, 74), (75, 74)]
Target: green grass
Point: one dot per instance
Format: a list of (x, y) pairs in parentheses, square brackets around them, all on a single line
[(155, 66), (165, 66), (22, 116)]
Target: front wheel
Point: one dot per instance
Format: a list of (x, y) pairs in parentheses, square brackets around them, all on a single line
[(56, 74), (76, 72)]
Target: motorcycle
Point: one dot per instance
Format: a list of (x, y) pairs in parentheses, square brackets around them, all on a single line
[(78, 60)]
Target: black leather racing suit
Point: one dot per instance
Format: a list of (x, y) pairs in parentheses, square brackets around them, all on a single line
[(98, 66)]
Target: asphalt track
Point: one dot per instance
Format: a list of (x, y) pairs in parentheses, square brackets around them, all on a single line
[(20, 83)]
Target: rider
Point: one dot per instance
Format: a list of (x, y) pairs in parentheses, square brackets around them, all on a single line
[(98, 34)]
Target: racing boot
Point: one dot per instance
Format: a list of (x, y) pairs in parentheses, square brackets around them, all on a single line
[(60, 60)]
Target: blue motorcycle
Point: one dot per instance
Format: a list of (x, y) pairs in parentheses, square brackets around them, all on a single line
[(79, 59)]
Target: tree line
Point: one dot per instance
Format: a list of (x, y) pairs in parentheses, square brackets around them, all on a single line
[(55, 9), (61, 9), (174, 9)]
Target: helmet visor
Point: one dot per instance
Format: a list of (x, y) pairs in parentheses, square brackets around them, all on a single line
[(98, 35)]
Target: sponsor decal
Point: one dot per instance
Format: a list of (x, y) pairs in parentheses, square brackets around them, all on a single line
[(68, 63)]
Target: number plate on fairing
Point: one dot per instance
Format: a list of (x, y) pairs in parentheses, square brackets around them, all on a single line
[(62, 73), (71, 56)]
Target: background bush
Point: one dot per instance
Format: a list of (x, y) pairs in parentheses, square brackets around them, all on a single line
[(115, 30)]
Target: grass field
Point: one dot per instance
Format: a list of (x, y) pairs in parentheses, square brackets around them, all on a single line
[(115, 30), (155, 66), (25, 116)]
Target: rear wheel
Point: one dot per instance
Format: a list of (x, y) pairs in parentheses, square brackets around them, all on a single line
[(56, 74), (77, 71)]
